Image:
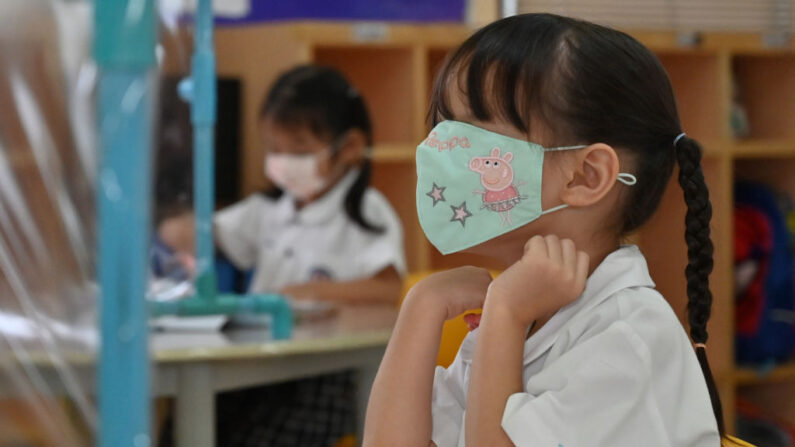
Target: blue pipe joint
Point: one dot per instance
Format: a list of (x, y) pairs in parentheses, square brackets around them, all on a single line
[(199, 89), (185, 90), (279, 308)]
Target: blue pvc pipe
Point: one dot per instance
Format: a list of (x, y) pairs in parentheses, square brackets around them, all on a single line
[(204, 190), (200, 91), (203, 109), (125, 33), (124, 193)]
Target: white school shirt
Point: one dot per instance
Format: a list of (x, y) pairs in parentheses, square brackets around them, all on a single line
[(286, 246), (615, 368)]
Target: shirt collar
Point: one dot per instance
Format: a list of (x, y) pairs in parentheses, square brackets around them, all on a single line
[(320, 210), (622, 269)]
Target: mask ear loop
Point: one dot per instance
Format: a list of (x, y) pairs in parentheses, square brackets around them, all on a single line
[(564, 148), (555, 149), (623, 177), (554, 208), (626, 178)]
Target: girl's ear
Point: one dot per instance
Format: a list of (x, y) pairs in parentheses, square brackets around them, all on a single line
[(592, 174), (507, 157), (495, 152)]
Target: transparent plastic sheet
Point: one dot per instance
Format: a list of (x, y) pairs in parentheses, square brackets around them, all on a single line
[(48, 334), (173, 161), (49, 337)]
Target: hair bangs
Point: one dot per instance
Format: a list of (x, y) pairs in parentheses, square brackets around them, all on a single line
[(506, 73)]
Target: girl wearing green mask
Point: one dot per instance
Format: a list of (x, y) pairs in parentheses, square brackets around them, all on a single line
[(571, 133)]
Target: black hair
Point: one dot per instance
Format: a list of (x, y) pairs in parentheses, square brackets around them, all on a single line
[(585, 83), (323, 101), (173, 185)]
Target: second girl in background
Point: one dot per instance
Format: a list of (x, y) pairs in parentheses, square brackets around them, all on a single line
[(321, 233)]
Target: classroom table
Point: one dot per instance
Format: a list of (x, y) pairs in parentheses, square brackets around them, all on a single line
[(195, 367)]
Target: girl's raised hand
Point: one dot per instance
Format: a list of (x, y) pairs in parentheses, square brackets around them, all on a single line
[(550, 275), (452, 292)]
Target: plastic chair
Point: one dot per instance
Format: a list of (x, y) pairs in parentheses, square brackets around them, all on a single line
[(731, 441)]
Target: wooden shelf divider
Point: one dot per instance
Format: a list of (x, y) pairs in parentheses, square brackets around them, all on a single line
[(750, 376), (764, 148)]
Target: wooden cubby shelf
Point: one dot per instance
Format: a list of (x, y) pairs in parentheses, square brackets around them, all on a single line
[(382, 75), (750, 376), (699, 89), (766, 88), (764, 148), (386, 153), (394, 65)]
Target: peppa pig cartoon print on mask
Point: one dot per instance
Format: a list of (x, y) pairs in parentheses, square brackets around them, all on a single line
[(474, 185), (496, 175)]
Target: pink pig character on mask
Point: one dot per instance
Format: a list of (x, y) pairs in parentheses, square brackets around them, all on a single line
[(496, 176)]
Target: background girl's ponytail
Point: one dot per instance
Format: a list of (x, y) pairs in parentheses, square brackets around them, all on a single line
[(699, 254), (360, 119)]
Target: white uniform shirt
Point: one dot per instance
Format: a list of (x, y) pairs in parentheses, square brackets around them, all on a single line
[(288, 246), (615, 368)]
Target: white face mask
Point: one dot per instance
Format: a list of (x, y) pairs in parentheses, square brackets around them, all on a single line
[(297, 174)]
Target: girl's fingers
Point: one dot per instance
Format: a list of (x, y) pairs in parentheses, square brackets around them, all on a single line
[(582, 267), (554, 249), (536, 246), (569, 255)]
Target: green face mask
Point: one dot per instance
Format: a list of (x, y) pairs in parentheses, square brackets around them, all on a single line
[(474, 185)]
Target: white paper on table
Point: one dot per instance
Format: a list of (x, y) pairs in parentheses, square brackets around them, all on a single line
[(221, 8), (311, 308), (206, 323)]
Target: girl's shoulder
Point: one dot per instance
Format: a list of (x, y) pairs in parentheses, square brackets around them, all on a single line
[(641, 308), (645, 322), (641, 314), (255, 203), (621, 293), (646, 309), (251, 209), (374, 197), (377, 209), (639, 302)]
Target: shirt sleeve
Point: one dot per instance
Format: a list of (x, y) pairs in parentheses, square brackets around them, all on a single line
[(448, 403), (596, 394), (237, 231), (383, 249)]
